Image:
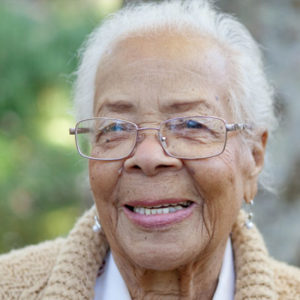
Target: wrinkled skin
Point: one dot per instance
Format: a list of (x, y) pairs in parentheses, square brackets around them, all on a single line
[(146, 81)]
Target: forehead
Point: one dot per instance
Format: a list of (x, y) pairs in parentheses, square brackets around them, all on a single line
[(172, 64)]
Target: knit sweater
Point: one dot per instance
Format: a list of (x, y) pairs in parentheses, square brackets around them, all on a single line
[(66, 268)]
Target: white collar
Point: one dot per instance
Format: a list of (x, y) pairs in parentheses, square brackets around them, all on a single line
[(225, 287), (110, 285)]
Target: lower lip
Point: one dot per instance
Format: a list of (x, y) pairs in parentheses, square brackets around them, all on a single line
[(159, 220)]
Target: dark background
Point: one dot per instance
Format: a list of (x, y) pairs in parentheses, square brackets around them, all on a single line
[(43, 181)]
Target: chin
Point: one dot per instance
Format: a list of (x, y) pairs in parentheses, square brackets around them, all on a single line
[(165, 248), (162, 256), (161, 261)]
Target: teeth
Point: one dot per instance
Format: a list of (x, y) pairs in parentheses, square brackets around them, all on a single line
[(172, 209), (165, 210), (161, 209)]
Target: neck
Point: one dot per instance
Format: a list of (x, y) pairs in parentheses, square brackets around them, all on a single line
[(196, 280)]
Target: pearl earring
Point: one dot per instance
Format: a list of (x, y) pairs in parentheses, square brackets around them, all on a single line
[(249, 222), (96, 226)]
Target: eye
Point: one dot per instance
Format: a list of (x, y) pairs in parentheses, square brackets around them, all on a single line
[(114, 127), (192, 124), (109, 132), (186, 124)]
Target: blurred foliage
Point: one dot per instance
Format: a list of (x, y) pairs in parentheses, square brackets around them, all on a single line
[(41, 174)]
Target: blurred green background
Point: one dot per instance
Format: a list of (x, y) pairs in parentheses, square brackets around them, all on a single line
[(43, 181), (42, 178)]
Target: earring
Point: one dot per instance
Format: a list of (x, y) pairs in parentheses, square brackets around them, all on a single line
[(96, 226), (249, 222)]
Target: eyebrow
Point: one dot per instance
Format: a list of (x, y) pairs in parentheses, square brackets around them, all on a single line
[(116, 106), (187, 105)]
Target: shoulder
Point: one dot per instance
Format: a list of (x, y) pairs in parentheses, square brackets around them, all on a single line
[(257, 273), (287, 280), (26, 268)]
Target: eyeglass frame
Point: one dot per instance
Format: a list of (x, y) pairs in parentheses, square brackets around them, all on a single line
[(228, 126)]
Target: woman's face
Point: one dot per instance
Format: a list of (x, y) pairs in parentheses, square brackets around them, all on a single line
[(148, 81)]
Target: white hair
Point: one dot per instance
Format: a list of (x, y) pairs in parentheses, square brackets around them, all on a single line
[(251, 95)]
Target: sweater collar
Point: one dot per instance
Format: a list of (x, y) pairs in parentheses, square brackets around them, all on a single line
[(76, 267), (82, 253), (254, 277)]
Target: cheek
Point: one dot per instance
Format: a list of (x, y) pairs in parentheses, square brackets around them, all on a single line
[(104, 184), (104, 177), (104, 181), (213, 177), (219, 182)]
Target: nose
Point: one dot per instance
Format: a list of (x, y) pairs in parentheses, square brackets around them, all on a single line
[(150, 158)]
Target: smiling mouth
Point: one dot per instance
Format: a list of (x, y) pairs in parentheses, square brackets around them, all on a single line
[(159, 209), (159, 215)]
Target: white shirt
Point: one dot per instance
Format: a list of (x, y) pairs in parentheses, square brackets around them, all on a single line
[(111, 286)]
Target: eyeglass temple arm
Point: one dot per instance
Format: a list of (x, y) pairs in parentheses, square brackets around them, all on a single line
[(72, 131), (238, 126)]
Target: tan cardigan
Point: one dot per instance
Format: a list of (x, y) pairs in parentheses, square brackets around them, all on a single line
[(66, 268)]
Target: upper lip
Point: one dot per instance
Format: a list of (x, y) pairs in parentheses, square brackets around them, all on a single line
[(159, 202)]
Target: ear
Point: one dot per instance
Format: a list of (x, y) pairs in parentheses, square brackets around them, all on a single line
[(258, 148), (258, 152)]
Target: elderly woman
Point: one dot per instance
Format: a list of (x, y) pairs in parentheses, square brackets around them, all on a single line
[(174, 112)]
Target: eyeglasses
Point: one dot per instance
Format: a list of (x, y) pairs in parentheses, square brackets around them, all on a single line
[(195, 137)]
